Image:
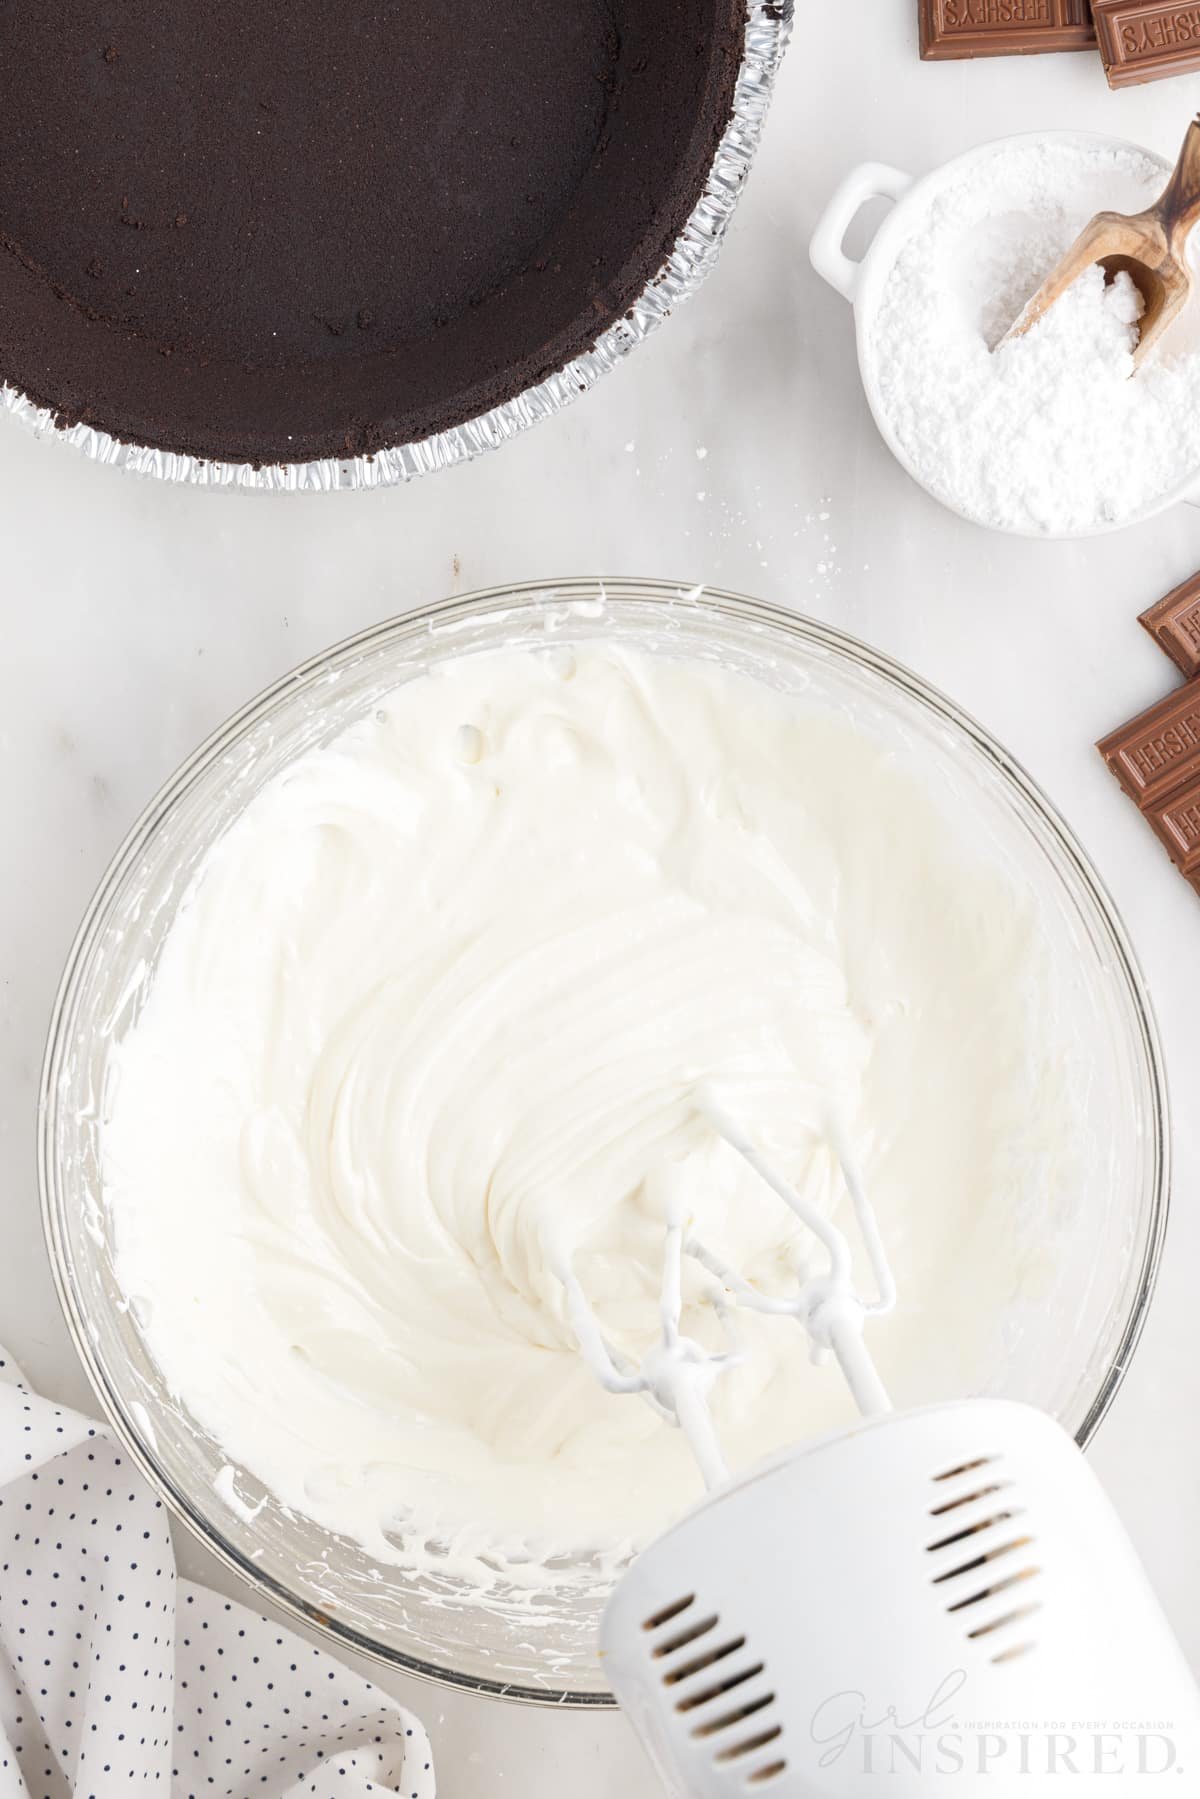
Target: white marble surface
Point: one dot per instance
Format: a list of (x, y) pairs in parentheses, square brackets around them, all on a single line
[(734, 449)]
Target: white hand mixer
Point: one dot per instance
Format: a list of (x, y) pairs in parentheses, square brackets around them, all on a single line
[(933, 1601)]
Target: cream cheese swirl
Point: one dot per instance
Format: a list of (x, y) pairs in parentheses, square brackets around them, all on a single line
[(433, 1016)]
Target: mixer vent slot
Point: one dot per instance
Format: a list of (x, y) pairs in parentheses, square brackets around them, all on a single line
[(1014, 1654), (978, 1544), (691, 1700), (982, 1461), (997, 1586), (698, 1663), (751, 1707), (981, 1560), (973, 1530), (682, 1637), (668, 1612), (1001, 1623), (749, 1744), (701, 1665), (952, 1505)]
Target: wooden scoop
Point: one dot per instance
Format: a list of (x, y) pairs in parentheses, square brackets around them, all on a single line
[(1148, 246)]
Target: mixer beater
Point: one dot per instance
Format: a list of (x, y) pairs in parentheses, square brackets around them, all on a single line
[(678, 1373), (939, 1600)]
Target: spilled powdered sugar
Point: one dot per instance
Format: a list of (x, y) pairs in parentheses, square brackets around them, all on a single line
[(1052, 432)]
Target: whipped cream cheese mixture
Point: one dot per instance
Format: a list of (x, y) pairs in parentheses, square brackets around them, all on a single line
[(434, 1014)]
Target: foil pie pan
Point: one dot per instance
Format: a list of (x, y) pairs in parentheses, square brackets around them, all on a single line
[(768, 27)]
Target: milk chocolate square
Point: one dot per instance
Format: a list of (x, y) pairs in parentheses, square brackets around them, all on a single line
[(1174, 624), (959, 28), (1177, 822), (1143, 40), (1159, 751)]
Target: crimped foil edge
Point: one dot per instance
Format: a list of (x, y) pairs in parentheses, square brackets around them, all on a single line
[(768, 27)]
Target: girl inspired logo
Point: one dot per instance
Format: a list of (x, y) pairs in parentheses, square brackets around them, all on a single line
[(935, 1744)]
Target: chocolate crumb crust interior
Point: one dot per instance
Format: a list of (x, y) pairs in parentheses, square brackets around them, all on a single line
[(274, 233)]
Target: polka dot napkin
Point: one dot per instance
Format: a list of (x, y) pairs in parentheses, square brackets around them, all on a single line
[(118, 1678)]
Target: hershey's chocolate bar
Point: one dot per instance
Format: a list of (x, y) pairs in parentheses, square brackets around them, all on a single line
[(1158, 752), (1143, 40), (1174, 624), (1177, 821), (1156, 758), (955, 28)]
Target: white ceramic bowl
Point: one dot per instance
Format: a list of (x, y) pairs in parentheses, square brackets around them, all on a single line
[(863, 282)]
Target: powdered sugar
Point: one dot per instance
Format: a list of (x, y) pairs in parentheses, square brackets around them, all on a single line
[(1051, 432)]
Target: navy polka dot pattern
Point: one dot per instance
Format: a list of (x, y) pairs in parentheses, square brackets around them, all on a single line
[(118, 1678)]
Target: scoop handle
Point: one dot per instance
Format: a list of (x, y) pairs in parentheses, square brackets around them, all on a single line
[(1178, 206)]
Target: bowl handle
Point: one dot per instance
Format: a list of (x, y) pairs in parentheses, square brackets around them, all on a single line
[(869, 181)]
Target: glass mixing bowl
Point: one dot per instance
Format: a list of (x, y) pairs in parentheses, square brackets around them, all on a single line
[(1079, 1330)]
